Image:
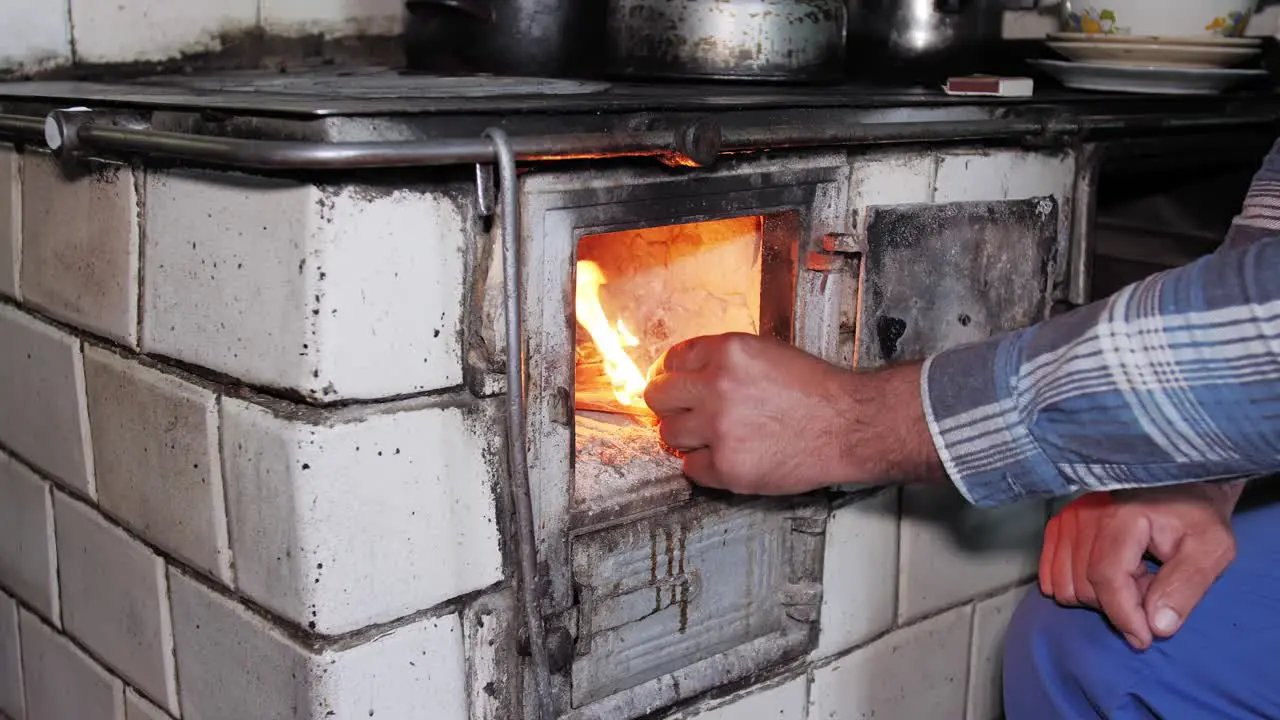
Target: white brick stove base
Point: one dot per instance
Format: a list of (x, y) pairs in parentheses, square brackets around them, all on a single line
[(171, 545), (144, 509)]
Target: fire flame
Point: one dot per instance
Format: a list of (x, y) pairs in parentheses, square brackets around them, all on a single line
[(611, 339)]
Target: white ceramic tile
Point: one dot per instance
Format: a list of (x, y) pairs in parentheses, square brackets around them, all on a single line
[(914, 672), (235, 665), (60, 681), (990, 621), (28, 561), (10, 219), (41, 372), (34, 35), (860, 573), (336, 294), (114, 599), (155, 443), (493, 671), (133, 30), (333, 17), (80, 246), (890, 178), (11, 702), (965, 176), (951, 551), (783, 702), (309, 500), (137, 707), (415, 671)]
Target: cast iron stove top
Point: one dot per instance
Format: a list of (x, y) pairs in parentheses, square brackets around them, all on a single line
[(385, 92)]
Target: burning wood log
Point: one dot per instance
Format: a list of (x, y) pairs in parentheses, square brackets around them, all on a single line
[(639, 291), (599, 402), (595, 394)]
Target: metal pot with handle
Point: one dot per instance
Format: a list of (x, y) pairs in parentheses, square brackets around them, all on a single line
[(780, 40), (535, 38)]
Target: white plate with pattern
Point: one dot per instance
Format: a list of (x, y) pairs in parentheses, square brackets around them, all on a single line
[(1148, 80)]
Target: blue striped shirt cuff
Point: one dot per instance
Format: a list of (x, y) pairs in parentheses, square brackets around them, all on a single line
[(1008, 466)]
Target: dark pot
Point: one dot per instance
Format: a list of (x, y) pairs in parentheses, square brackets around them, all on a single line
[(771, 40), (527, 38)]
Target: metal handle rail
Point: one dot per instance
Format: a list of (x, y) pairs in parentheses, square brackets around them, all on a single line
[(697, 143), (21, 127)]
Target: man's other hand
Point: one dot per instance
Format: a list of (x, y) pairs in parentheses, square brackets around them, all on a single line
[(1094, 554), (757, 416)]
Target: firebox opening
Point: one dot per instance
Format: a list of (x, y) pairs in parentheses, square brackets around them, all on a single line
[(640, 291)]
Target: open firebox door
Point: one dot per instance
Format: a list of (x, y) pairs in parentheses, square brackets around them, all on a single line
[(667, 591), (639, 292), (708, 577)]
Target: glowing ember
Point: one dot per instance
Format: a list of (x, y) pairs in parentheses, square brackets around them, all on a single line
[(610, 339)]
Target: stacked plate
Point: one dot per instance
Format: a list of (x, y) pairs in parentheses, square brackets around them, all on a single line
[(1147, 64)]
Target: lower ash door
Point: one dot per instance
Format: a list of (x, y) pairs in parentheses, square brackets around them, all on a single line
[(698, 596)]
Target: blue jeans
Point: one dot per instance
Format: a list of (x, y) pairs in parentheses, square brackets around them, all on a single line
[(1224, 663)]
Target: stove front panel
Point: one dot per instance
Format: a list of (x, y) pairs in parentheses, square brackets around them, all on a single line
[(669, 591)]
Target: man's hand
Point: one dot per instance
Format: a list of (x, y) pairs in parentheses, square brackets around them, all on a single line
[(1094, 549), (757, 416)]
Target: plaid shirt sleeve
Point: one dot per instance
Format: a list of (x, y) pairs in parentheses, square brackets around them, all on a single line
[(1174, 379)]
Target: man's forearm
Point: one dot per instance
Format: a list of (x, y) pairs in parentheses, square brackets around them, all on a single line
[(1175, 379)]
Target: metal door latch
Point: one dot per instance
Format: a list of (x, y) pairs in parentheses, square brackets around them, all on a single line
[(840, 252)]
